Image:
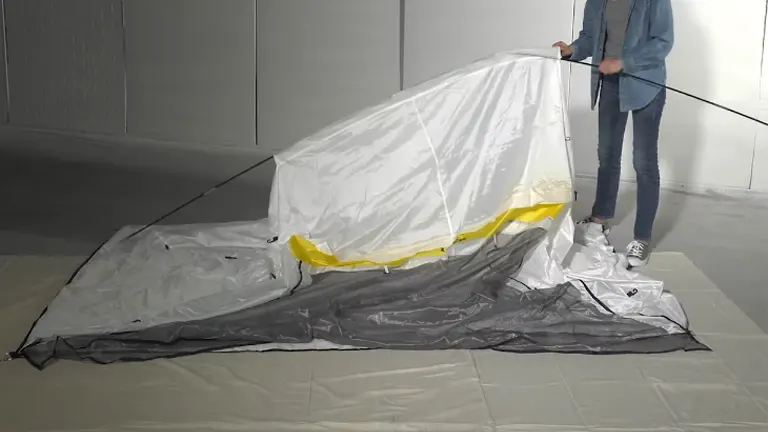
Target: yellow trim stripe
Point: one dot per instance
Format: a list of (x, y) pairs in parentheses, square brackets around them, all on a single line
[(305, 251)]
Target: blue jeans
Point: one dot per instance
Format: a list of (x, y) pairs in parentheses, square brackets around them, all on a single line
[(645, 156)]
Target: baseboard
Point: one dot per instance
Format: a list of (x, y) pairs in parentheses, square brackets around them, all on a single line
[(138, 142)]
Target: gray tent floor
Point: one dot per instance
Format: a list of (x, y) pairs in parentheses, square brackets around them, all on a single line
[(466, 302), (726, 389)]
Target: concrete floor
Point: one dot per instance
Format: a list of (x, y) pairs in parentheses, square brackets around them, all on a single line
[(55, 204)]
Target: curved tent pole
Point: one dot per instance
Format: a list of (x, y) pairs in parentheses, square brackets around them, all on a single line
[(198, 197), (262, 162), (678, 91)]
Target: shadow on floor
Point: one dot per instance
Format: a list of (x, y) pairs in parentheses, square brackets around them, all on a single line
[(56, 207)]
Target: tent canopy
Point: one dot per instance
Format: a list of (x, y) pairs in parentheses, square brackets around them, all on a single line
[(455, 158), (438, 219)]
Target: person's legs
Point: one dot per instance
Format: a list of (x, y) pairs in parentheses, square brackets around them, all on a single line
[(610, 141), (612, 124), (645, 157)]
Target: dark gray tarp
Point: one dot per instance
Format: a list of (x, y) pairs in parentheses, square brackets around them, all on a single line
[(462, 303)]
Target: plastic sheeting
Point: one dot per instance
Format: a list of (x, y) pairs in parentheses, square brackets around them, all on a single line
[(600, 274)]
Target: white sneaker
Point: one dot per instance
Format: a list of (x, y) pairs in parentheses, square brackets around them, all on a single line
[(638, 253), (595, 235)]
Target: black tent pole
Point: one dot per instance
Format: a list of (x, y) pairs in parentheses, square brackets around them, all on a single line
[(676, 90), (198, 197)]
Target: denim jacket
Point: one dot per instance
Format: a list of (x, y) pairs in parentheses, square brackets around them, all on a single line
[(648, 42)]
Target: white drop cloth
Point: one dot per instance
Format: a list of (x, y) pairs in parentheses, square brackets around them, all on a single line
[(393, 391)]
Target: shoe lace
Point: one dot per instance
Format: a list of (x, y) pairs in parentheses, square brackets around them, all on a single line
[(636, 248)]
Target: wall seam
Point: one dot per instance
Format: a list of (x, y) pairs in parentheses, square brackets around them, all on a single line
[(402, 45), (5, 65), (125, 68), (762, 77), (762, 53), (256, 72)]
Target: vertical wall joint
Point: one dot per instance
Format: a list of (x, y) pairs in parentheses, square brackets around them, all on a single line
[(5, 65), (402, 44)]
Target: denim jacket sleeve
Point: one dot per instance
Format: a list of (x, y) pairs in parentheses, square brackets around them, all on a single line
[(661, 36), (585, 43)]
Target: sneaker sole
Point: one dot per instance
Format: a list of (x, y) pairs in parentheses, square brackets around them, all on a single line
[(641, 264)]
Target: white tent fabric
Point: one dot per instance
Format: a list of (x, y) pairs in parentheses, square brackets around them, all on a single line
[(442, 159), (408, 175), (170, 274), (597, 271), (437, 171)]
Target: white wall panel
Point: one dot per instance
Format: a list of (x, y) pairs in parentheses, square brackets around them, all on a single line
[(764, 72), (717, 56), (191, 70), (321, 60), (441, 35), (760, 167), (66, 66), (760, 160)]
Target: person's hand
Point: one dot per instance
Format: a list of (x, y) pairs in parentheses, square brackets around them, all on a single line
[(611, 66), (565, 49)]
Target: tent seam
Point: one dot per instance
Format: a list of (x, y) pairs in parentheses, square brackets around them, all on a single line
[(386, 106), (437, 166)]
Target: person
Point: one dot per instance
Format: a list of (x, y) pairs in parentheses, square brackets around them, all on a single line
[(633, 37)]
